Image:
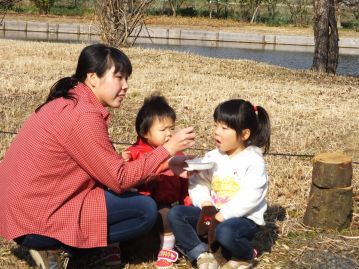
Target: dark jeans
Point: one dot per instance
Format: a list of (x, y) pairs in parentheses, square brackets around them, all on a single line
[(128, 215), (234, 235)]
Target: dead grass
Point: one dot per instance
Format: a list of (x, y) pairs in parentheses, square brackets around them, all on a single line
[(310, 113)]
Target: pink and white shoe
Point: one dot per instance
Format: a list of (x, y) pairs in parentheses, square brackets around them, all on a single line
[(166, 258), (255, 253)]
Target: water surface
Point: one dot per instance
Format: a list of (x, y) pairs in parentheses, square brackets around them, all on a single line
[(295, 57)]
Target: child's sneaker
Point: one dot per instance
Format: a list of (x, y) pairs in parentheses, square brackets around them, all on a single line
[(48, 259), (166, 258), (237, 264), (255, 253), (241, 264), (207, 261)]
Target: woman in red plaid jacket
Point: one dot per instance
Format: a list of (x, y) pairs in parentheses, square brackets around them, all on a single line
[(62, 184)]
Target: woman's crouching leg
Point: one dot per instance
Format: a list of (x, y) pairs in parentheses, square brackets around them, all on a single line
[(129, 215)]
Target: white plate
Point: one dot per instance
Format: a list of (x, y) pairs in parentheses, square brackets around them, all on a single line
[(198, 164)]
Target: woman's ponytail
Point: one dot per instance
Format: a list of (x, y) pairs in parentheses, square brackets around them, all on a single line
[(61, 88), (262, 137)]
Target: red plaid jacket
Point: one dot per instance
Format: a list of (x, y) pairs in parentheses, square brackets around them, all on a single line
[(52, 177)]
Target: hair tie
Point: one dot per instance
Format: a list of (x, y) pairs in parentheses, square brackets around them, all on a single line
[(255, 108)]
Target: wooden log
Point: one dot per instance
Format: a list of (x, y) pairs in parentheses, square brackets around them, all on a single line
[(329, 208), (331, 195), (332, 170)]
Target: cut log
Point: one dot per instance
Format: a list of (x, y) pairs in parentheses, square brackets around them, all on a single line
[(329, 208), (331, 195), (332, 170)]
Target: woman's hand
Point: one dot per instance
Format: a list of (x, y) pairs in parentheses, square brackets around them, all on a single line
[(181, 140), (177, 164)]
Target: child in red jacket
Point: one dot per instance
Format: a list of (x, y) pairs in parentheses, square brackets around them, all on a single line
[(155, 123)]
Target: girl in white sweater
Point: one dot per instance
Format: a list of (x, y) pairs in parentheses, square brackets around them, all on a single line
[(229, 199)]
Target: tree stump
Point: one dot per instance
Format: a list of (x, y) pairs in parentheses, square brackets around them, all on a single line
[(330, 199)]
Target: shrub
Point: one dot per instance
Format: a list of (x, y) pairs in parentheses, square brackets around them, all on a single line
[(353, 24), (44, 6)]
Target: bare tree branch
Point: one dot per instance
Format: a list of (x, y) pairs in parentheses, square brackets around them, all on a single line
[(5, 5), (119, 19)]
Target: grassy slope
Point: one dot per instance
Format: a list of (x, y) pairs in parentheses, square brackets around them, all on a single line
[(310, 113)]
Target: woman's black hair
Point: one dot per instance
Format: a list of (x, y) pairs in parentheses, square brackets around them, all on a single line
[(154, 106), (96, 58), (239, 114)]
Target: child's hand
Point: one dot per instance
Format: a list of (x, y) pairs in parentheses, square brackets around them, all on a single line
[(205, 219), (126, 155)]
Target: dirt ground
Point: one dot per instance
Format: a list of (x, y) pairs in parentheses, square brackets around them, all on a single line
[(310, 113)]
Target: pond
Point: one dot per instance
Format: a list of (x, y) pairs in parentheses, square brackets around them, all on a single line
[(295, 57)]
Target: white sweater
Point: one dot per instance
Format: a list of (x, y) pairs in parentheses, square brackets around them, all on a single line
[(237, 186)]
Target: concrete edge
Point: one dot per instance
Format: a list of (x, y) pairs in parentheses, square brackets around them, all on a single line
[(173, 33)]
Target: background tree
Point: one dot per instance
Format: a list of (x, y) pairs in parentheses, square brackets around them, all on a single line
[(220, 8), (272, 6), (173, 6), (249, 9), (298, 10), (5, 5), (326, 37), (254, 6), (121, 18), (44, 6), (353, 6)]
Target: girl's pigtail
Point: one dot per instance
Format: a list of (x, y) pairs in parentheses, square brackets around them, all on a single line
[(61, 88), (262, 136)]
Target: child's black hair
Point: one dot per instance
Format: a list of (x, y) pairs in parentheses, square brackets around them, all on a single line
[(154, 106), (239, 114)]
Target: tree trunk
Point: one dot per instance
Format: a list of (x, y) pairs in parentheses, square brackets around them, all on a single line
[(254, 14), (326, 37), (338, 16), (173, 7), (330, 199), (329, 208), (332, 170), (119, 19)]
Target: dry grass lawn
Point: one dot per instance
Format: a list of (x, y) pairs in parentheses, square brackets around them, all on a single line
[(310, 113)]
